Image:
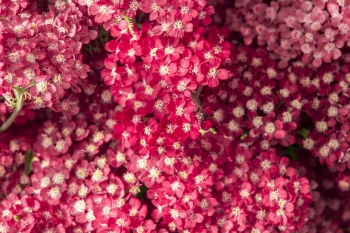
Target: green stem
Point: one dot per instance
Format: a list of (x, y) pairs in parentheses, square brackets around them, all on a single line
[(130, 24), (138, 25), (19, 104), (140, 18), (279, 105), (29, 155), (200, 88), (146, 119), (196, 95)]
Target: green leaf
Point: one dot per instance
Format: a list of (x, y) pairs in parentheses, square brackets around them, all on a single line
[(195, 96), (146, 119), (279, 105), (99, 43), (29, 155), (20, 94), (201, 131), (211, 130), (89, 48), (103, 36), (17, 218), (292, 150), (304, 132), (140, 17), (130, 24), (244, 135), (141, 194)]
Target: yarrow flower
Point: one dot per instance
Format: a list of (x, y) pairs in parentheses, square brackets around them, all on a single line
[(174, 116), (315, 31)]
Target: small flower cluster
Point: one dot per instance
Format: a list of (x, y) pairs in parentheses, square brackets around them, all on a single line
[(315, 31), (326, 103), (257, 104), (171, 17), (154, 72), (330, 210), (12, 159), (214, 186), (261, 193), (268, 106), (74, 182), (41, 52)]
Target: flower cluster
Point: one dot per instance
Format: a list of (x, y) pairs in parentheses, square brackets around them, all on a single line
[(326, 103), (274, 106), (315, 31), (155, 71), (155, 116), (214, 186), (74, 179), (329, 211), (41, 53), (258, 104)]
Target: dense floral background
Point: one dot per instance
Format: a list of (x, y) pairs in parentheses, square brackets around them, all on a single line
[(155, 116)]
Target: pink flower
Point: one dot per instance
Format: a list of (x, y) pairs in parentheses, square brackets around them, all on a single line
[(120, 157), (101, 11), (128, 52), (152, 175), (178, 28), (121, 222), (205, 15), (104, 212), (126, 134), (281, 215), (174, 215), (237, 214), (186, 10), (179, 109), (210, 74), (154, 7), (135, 210), (187, 129)]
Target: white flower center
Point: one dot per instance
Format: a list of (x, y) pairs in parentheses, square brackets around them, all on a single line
[(103, 9), (178, 24), (212, 73), (60, 144), (142, 163), (80, 206), (154, 173), (58, 178), (97, 137), (45, 182), (129, 177), (46, 142), (164, 70), (112, 188), (54, 192), (97, 176)]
